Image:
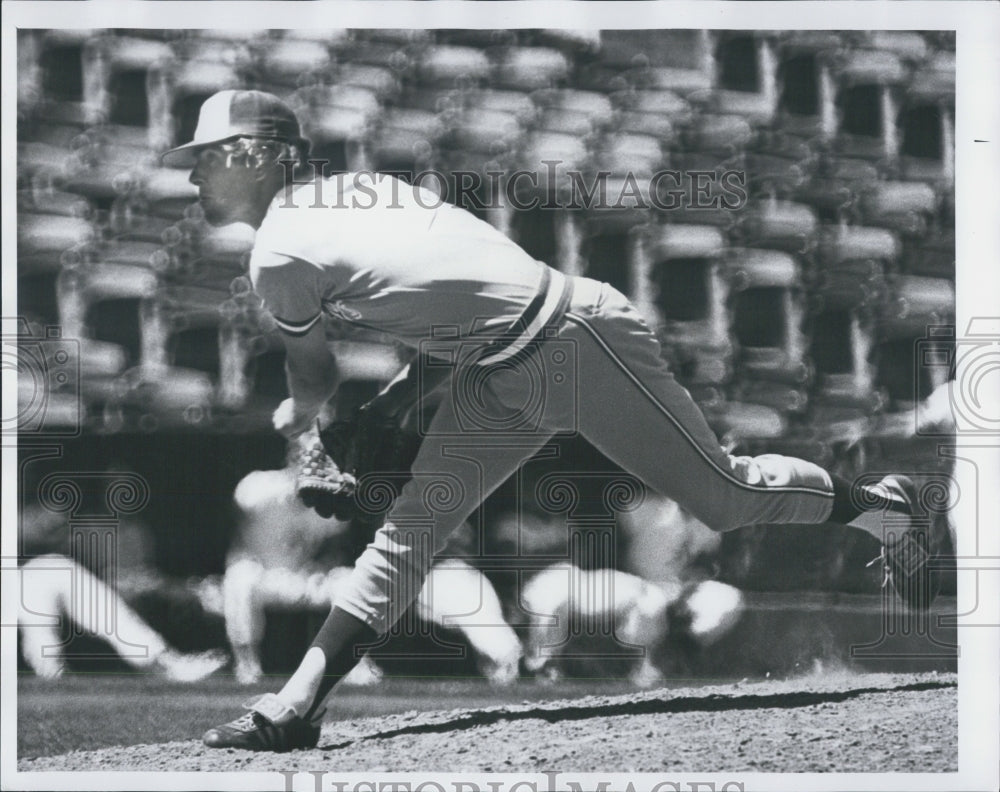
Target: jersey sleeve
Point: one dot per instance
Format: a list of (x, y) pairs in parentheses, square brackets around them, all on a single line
[(290, 288)]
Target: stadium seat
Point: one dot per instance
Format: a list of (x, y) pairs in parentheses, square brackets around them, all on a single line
[(602, 78), (293, 62), (382, 81), (45, 200), (122, 74), (656, 113), (517, 104), (487, 130), (934, 79), (153, 210), (778, 175), (167, 192), (841, 349), (576, 42), (183, 324), (531, 68), (735, 421), (546, 230), (62, 79), (655, 125), (219, 45), (916, 303), (660, 102), (100, 363), (454, 67), (751, 268), (746, 78), (335, 38), (927, 135), (689, 83), (408, 37), (339, 137), (768, 312), (567, 152), (166, 396), (29, 71), (406, 140), (843, 243), (783, 225), (905, 45), (447, 103), (678, 60), (353, 97), (851, 265), (46, 241), (680, 286), (121, 271), (806, 95), (867, 105), (484, 141), (610, 244), (903, 207), (641, 155), (708, 188), (835, 185), (784, 398), (933, 255), (595, 108), (50, 148), (721, 133), (104, 180), (234, 384)]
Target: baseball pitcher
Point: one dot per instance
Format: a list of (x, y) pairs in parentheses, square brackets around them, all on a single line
[(522, 352)]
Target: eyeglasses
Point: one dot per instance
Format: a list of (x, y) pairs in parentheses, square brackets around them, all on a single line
[(218, 155)]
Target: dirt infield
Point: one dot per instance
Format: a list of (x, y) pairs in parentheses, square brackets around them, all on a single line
[(824, 722)]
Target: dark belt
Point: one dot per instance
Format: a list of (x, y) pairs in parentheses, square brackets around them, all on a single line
[(521, 324)]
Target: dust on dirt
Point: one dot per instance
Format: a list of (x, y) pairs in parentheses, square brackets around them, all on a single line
[(820, 723)]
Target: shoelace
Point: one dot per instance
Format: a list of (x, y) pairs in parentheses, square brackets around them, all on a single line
[(905, 544), (881, 557), (245, 722)]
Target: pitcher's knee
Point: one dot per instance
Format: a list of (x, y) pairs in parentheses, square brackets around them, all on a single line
[(242, 575), (48, 562)]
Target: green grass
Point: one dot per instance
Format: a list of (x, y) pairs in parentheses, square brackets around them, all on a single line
[(89, 711)]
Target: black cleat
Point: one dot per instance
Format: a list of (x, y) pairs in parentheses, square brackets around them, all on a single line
[(906, 557), (255, 731)]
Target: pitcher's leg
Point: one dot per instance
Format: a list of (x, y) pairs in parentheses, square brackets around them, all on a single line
[(453, 473), (652, 427), (46, 583)]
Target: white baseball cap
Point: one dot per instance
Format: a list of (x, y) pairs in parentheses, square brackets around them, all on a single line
[(228, 115)]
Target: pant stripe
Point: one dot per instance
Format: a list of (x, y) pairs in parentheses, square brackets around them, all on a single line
[(579, 320)]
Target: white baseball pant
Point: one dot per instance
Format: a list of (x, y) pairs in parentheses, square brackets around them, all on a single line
[(602, 375)]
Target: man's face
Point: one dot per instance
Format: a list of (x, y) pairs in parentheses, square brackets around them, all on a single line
[(227, 186)]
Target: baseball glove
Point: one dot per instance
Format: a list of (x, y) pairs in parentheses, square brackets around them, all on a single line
[(320, 483), (370, 446)]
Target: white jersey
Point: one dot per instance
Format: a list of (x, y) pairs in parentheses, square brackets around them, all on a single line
[(382, 254)]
